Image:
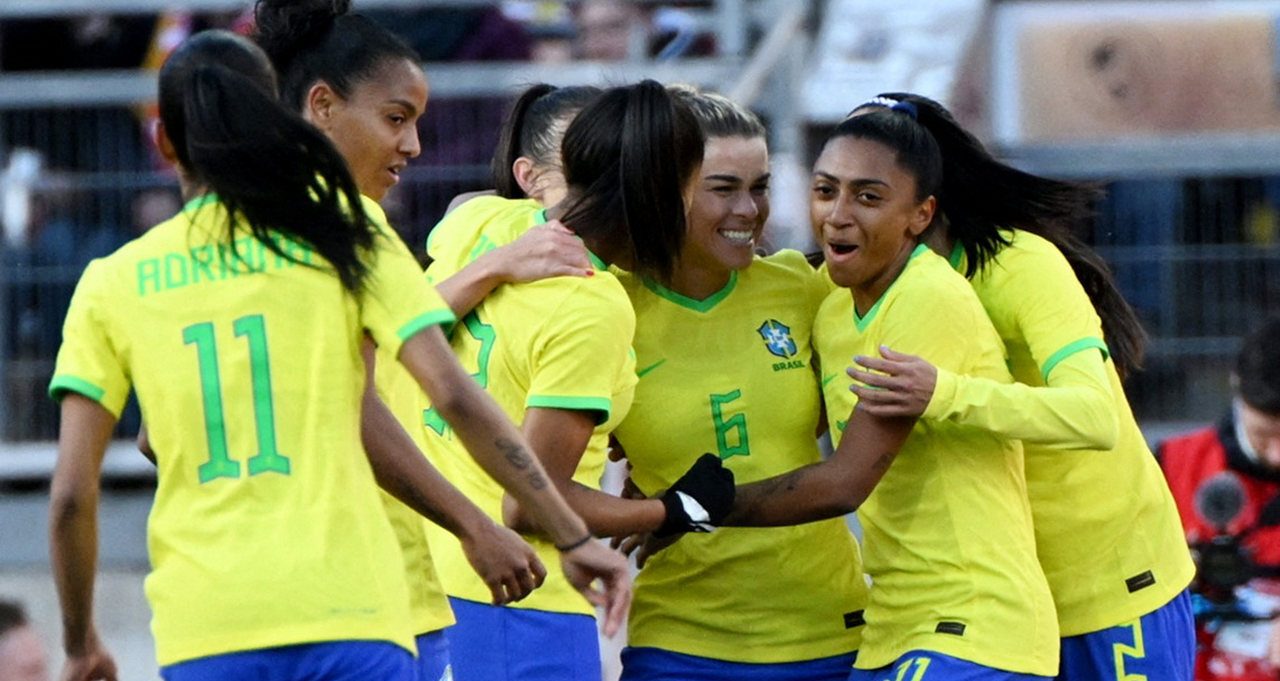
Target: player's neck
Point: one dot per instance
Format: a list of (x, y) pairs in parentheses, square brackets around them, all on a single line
[(698, 283)]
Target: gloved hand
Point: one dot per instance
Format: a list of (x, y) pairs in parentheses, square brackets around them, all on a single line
[(700, 499)]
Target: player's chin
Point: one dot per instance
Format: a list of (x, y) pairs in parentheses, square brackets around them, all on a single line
[(842, 276)]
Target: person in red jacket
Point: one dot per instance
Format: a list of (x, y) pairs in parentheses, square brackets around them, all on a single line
[(1245, 443)]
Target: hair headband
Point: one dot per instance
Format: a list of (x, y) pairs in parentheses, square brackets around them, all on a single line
[(893, 105)]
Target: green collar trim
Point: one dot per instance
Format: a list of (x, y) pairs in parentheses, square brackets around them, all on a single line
[(863, 322), (200, 202), (957, 257), (540, 217), (704, 305), (596, 261)]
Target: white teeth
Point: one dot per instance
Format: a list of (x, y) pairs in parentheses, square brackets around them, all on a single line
[(743, 236)]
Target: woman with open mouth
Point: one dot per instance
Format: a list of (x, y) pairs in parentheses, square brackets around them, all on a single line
[(949, 546)]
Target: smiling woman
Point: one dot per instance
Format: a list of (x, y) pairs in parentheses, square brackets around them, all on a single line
[(744, 324)]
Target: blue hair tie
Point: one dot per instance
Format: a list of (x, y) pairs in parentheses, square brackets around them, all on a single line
[(894, 105)]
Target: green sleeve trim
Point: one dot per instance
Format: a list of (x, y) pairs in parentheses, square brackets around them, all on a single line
[(443, 318), (704, 305), (60, 385), (598, 404), (1070, 349)]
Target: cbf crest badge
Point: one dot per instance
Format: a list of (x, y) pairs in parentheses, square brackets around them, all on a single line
[(777, 338)]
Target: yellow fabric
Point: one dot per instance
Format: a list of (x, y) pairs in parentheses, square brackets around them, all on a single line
[(428, 607), (476, 227), (253, 558), (948, 535), (1112, 507), (1078, 412), (562, 343), (754, 595)]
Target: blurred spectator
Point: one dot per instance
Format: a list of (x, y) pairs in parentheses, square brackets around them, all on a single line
[(1244, 445), (457, 33), (93, 41), (617, 30), (22, 655), (62, 238), (550, 27), (152, 206), (611, 30)]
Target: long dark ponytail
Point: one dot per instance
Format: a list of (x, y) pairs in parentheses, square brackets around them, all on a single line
[(535, 128), (269, 168), (980, 196), (628, 157)]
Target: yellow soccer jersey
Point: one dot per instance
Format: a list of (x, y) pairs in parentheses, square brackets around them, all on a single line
[(266, 528), (948, 540), (428, 607), (475, 228), (560, 343), (1107, 529), (733, 375)]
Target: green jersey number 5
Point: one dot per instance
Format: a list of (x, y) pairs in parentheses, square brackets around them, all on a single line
[(220, 464), (484, 335)]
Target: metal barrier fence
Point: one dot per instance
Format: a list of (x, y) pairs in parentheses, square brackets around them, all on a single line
[(1197, 254), (102, 189), (1199, 277)]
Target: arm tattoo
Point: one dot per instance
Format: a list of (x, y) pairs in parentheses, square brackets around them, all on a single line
[(520, 460), (425, 506), (751, 497)]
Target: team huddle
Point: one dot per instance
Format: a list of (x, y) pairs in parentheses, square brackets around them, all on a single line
[(368, 472)]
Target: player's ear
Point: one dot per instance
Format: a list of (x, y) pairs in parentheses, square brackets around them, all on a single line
[(160, 136), (320, 104), (522, 170), (922, 217)]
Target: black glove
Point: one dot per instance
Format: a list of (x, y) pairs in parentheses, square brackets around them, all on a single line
[(699, 500)]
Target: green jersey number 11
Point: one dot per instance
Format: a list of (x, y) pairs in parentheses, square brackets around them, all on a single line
[(220, 464)]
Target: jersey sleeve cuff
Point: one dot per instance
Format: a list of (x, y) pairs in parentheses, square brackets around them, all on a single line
[(601, 405), (63, 384), (1070, 349), (944, 391), (442, 318)]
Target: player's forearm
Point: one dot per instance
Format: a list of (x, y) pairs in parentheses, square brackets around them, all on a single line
[(827, 489), (500, 450), (488, 435), (1076, 411), (402, 470), (469, 286), (73, 530), (800, 496), (604, 514), (73, 515)]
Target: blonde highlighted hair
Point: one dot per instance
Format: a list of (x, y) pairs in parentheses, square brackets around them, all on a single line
[(717, 115)]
